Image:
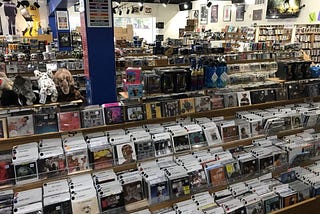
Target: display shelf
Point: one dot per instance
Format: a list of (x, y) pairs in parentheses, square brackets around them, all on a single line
[(8, 143), (307, 206), (31, 74)]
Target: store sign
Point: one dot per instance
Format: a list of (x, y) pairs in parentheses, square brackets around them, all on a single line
[(99, 13)]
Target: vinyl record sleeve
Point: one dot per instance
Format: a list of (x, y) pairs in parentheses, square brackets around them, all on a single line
[(69, 121), (20, 125), (44, 123)]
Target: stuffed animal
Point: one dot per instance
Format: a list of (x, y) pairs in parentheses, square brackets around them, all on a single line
[(23, 88), (5, 83), (66, 86), (7, 96), (46, 86)]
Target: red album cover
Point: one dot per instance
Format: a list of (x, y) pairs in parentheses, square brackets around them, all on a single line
[(69, 121)]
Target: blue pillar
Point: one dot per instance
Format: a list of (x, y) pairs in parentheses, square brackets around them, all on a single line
[(99, 58)]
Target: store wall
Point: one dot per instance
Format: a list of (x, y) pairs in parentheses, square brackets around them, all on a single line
[(74, 18), (21, 23), (311, 6)]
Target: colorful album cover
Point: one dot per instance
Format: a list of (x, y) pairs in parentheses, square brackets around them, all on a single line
[(132, 192), (51, 166), (135, 91), (202, 103), (244, 98), (69, 121), (92, 117), (255, 208), (6, 168), (230, 100), (180, 187), (20, 125), (44, 123), (114, 114), (197, 179), (232, 170), (197, 139), (135, 113), (290, 200), (271, 204), (144, 150), (110, 202), (187, 106), (126, 153), (230, 133), (133, 75), (159, 192), (181, 143), (217, 102), (77, 161), (101, 158), (217, 175), (25, 172), (3, 128), (170, 108), (153, 110)]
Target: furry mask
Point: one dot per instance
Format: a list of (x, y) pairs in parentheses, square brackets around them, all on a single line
[(23, 87)]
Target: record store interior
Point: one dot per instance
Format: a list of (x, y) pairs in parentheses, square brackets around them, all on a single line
[(159, 106)]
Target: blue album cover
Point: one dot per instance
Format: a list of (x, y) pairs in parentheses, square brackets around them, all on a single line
[(288, 177), (135, 91), (44, 123)]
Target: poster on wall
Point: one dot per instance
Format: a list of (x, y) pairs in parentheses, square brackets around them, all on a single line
[(99, 13), (240, 13), (62, 20), (257, 15), (194, 14), (214, 13), (227, 13), (319, 16), (24, 21), (203, 14)]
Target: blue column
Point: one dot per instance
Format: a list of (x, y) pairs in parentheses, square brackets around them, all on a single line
[(99, 59)]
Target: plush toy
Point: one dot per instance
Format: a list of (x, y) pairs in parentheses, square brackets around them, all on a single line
[(5, 83), (66, 86), (46, 86), (23, 88), (7, 96)]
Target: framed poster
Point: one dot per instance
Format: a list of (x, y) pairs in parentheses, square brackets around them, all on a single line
[(240, 13), (99, 13), (214, 13), (257, 15), (64, 39), (227, 13), (62, 20), (195, 14), (203, 14)]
